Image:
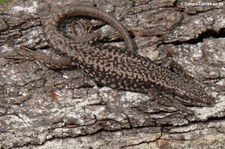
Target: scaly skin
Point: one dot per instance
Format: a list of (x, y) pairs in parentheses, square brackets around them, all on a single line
[(117, 68)]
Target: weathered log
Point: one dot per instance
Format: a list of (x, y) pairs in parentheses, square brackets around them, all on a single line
[(42, 108)]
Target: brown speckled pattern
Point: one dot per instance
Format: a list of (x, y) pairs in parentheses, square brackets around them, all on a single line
[(118, 68)]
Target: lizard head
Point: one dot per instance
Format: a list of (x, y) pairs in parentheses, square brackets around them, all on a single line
[(194, 94)]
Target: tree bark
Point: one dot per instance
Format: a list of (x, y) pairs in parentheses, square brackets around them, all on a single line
[(42, 108)]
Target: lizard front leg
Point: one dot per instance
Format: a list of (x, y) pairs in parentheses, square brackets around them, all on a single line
[(170, 64)]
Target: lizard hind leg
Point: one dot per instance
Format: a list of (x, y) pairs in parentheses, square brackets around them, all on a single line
[(56, 63), (86, 36), (24, 55)]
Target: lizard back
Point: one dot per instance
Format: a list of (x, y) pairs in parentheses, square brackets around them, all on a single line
[(126, 70)]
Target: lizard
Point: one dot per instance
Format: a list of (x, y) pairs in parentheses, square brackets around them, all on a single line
[(118, 68)]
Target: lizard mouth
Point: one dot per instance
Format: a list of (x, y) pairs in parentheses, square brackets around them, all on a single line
[(194, 97)]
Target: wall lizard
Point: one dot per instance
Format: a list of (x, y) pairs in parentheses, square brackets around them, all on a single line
[(117, 68)]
